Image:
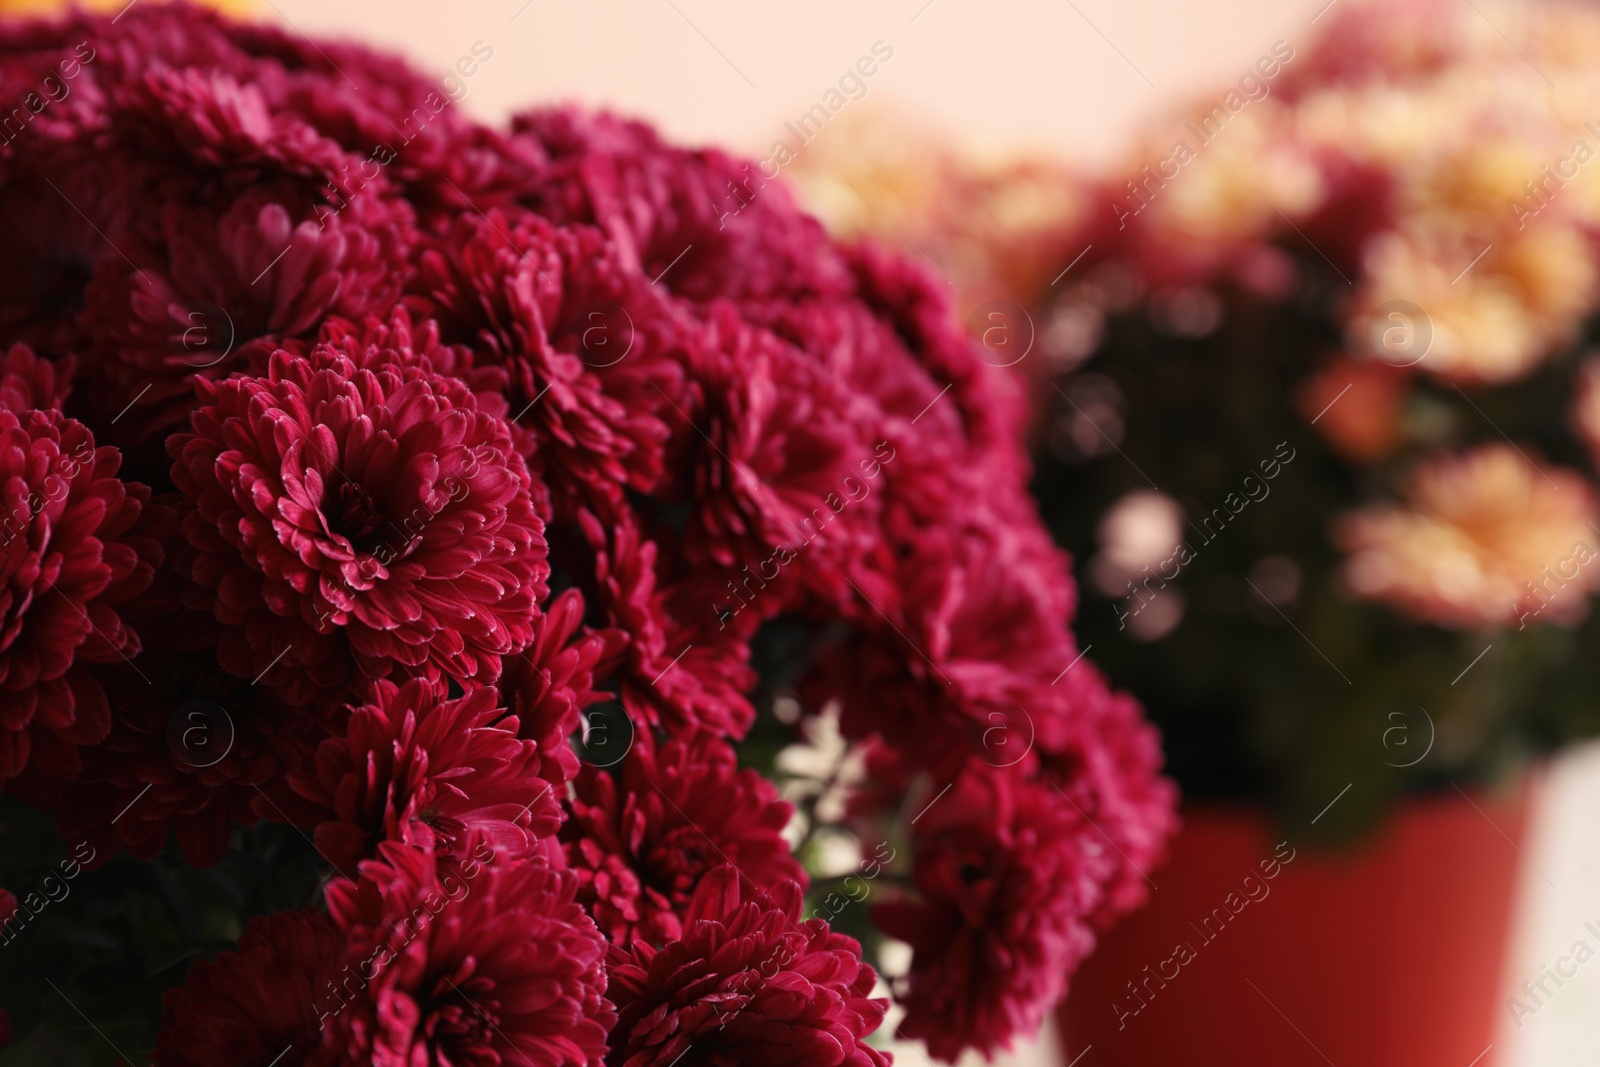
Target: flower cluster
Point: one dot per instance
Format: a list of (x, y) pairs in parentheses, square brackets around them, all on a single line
[(444, 510)]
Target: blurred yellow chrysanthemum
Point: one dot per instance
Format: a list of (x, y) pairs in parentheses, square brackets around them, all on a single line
[(1490, 537), (991, 225)]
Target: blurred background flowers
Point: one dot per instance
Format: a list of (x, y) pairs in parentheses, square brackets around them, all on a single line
[(1314, 379), (1320, 361)]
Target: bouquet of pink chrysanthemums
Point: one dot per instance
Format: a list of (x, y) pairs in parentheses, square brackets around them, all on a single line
[(467, 602)]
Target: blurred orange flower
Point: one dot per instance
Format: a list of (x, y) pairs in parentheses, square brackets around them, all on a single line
[(1355, 405)]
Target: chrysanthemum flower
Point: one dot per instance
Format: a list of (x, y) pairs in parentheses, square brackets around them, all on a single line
[(1497, 321), (1108, 770), (642, 840), (76, 544), (678, 670), (492, 963), (258, 1004), (213, 279), (1491, 537), (414, 768), (249, 223), (28, 381), (592, 353), (399, 339), (749, 982), (976, 637), (1224, 194), (1003, 880), (671, 207), (347, 522), (776, 472)]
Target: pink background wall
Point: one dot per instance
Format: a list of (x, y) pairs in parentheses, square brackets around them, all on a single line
[(1003, 76)]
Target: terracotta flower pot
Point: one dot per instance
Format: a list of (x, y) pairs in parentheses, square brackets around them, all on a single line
[(1252, 952)]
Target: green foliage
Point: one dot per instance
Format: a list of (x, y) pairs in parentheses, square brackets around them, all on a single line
[(83, 973)]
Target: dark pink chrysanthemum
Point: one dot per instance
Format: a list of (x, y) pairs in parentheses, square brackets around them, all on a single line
[(493, 963), (1004, 877), (348, 522), (691, 210), (247, 222), (256, 1006), (213, 280), (642, 840), (777, 472), (970, 636), (73, 551), (28, 382), (676, 671), (591, 351), (414, 768), (749, 982), (1111, 769), (400, 340), (987, 407)]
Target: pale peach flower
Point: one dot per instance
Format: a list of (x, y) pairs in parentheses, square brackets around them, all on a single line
[(1495, 309), (1489, 537), (1251, 173), (990, 223)]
